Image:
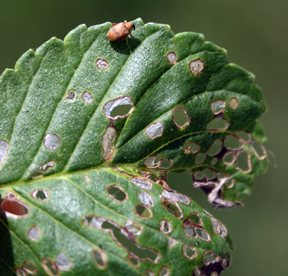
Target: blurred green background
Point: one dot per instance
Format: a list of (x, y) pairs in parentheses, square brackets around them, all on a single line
[(255, 33)]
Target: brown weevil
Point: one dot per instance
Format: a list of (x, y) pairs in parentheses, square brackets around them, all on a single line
[(120, 31)]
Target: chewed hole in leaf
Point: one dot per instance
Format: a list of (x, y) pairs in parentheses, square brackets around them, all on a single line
[(33, 233), (218, 106), (29, 268), (102, 63), (210, 258), (70, 96), (195, 219), (62, 261), (3, 150), (244, 136), (143, 183), (107, 143), (243, 161), (118, 108), (199, 175), (149, 273), (217, 124), (47, 166), (152, 161), (200, 157), (117, 193), (133, 228), (215, 148), (196, 272), (41, 195), (259, 150), (172, 207), (164, 271), (20, 272), (51, 141), (99, 258), (191, 147), (132, 260), (171, 57), (176, 197), (229, 158), (123, 240), (196, 66), (232, 142), (146, 199), (189, 230), (87, 97), (202, 234), (154, 130), (214, 273), (166, 164), (121, 111), (165, 226), (49, 267), (209, 174), (189, 252), (233, 103), (143, 212), (14, 208), (180, 117)]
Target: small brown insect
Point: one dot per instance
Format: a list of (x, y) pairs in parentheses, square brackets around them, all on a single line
[(120, 31)]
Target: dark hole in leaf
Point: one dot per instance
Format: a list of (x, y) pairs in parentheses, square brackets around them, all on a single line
[(70, 96), (199, 175), (127, 243), (215, 148), (209, 174), (189, 252), (229, 158), (231, 142), (209, 258), (165, 164), (41, 195), (200, 157), (243, 161), (164, 271), (14, 207), (133, 260), (258, 149), (49, 267), (195, 218), (116, 193), (172, 207), (143, 211), (244, 136), (217, 124), (29, 268), (99, 258), (180, 118), (165, 226), (202, 234), (121, 110)]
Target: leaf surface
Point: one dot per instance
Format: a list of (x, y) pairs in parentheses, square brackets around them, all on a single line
[(89, 129)]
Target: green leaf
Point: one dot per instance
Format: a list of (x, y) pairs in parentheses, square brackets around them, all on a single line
[(89, 129)]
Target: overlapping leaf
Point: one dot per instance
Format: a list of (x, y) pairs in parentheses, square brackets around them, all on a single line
[(67, 153)]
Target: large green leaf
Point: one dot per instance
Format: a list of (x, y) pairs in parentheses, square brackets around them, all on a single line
[(83, 182)]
